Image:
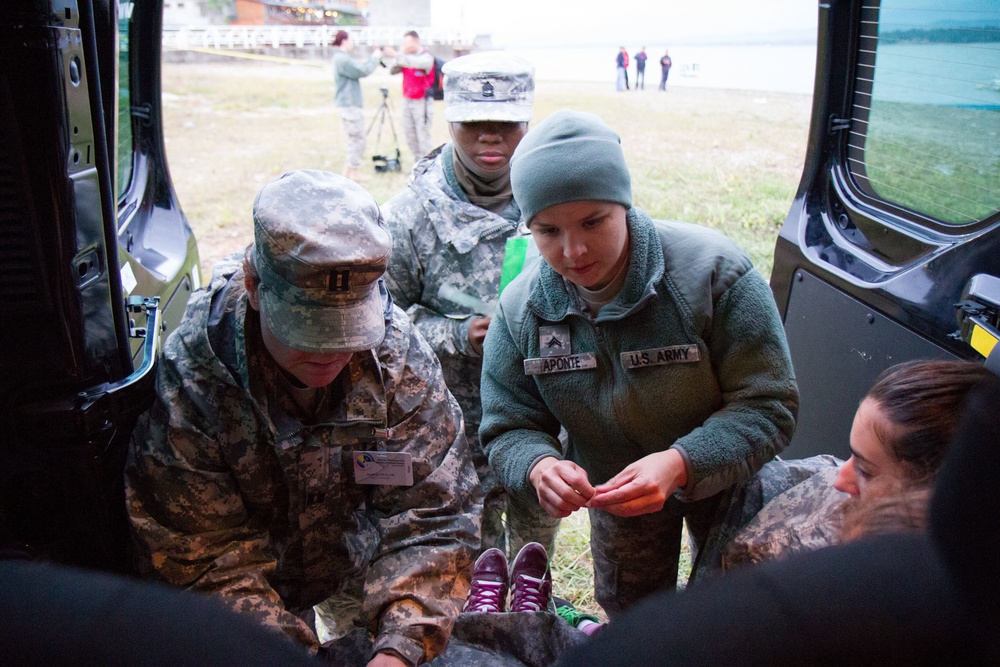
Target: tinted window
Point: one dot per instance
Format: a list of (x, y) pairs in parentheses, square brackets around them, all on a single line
[(925, 131), (124, 110)]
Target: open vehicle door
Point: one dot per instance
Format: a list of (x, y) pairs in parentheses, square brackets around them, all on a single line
[(97, 264), (891, 250)]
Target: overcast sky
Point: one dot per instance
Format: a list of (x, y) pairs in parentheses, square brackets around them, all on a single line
[(603, 22)]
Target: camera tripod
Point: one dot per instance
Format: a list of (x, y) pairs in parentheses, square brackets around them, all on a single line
[(382, 162)]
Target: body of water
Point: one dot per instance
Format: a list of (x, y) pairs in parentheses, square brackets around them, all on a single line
[(963, 75), (775, 68)]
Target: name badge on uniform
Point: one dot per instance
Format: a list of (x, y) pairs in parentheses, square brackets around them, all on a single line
[(660, 356), (386, 468), (570, 362)]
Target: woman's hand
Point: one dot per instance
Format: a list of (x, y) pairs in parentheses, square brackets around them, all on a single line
[(562, 486), (387, 660), (643, 486), (477, 332)]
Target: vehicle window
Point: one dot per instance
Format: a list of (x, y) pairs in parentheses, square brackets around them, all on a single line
[(124, 110), (925, 128)]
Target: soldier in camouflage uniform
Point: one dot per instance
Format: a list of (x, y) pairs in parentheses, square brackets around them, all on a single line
[(417, 67), (304, 442), (450, 227)]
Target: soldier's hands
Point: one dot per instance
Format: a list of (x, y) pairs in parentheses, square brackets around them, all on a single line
[(387, 660), (388, 52), (477, 332), (643, 486), (562, 486)]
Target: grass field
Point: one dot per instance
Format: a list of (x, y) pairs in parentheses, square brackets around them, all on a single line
[(725, 159)]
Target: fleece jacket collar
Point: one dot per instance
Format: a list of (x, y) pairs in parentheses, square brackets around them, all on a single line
[(554, 297)]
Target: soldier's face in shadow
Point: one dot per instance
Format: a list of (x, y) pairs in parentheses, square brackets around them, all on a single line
[(489, 143), (311, 369)]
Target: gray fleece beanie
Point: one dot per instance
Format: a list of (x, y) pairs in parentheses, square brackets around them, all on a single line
[(570, 156)]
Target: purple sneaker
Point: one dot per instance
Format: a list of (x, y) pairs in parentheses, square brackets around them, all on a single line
[(489, 583), (531, 579)]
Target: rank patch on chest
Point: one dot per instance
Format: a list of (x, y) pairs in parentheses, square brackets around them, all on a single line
[(569, 362), (553, 341), (660, 356)]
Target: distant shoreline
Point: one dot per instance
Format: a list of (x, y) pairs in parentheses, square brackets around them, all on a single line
[(660, 40), (782, 68)]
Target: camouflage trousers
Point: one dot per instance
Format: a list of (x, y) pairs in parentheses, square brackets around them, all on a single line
[(417, 117), (353, 119), (509, 522), (635, 557)]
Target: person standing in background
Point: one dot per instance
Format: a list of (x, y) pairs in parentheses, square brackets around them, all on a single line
[(417, 67), (625, 65), (640, 69), (347, 98), (621, 60), (665, 64)]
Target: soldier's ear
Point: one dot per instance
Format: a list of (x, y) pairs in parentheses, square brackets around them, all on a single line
[(252, 295)]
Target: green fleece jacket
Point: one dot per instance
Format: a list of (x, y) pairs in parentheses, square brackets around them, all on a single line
[(725, 397)]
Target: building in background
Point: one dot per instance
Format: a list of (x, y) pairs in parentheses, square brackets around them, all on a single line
[(195, 12), (181, 13), (409, 13), (190, 25), (300, 12)]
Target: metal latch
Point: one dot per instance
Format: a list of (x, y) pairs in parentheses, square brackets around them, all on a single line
[(979, 313), (144, 112), (839, 124)]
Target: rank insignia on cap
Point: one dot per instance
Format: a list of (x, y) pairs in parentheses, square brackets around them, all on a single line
[(340, 281), (488, 86)]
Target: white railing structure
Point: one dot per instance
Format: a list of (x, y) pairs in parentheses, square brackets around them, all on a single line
[(277, 36)]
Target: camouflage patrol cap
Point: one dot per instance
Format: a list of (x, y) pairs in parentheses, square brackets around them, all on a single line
[(491, 85), (320, 247)]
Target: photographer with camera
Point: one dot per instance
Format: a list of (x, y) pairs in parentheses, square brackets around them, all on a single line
[(347, 99), (417, 67), (450, 228)]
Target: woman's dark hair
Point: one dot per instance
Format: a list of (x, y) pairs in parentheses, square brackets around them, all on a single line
[(339, 38), (923, 400)]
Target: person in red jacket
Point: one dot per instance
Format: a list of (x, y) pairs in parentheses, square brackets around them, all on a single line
[(625, 65), (417, 67)]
